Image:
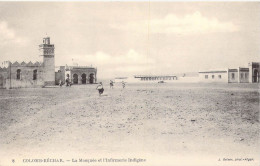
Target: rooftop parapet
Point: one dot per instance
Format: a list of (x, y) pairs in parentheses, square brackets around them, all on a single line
[(3, 69), (24, 64), (215, 71), (232, 70), (79, 67)]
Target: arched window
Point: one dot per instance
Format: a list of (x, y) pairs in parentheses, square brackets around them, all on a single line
[(35, 75), (75, 78), (18, 74), (84, 78), (91, 78), (1, 81)]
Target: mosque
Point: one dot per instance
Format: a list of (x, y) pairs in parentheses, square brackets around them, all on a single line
[(42, 74)]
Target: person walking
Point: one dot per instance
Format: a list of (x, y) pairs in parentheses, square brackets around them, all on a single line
[(111, 84), (68, 83), (123, 84), (60, 83), (100, 88)]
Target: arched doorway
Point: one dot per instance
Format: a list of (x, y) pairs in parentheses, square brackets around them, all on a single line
[(75, 79), (91, 78), (35, 74), (84, 78), (1, 81), (18, 74), (256, 76)]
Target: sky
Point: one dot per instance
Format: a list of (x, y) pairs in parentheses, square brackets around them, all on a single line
[(134, 38)]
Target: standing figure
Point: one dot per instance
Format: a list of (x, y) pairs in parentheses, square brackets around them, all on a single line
[(100, 88), (123, 84), (111, 84), (60, 83), (68, 83)]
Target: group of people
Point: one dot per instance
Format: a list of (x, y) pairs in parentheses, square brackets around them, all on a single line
[(68, 83), (112, 84), (101, 89)]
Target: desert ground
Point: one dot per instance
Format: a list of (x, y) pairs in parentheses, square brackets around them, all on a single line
[(166, 124)]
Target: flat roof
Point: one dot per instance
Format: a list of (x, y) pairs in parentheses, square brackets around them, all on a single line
[(139, 76), (221, 71), (121, 77), (232, 70)]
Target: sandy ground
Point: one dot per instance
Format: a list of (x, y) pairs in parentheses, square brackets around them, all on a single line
[(166, 124)]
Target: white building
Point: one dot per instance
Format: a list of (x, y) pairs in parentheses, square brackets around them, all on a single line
[(236, 75), (155, 78), (220, 76)]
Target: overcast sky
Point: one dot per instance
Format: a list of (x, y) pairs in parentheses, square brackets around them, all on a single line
[(124, 38)]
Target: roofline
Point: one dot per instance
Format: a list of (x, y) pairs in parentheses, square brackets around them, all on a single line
[(213, 71), (155, 76)]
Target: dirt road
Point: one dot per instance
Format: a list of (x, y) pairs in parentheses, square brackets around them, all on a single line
[(164, 123)]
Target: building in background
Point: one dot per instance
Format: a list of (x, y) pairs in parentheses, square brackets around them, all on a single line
[(155, 78), (17, 75), (243, 75), (254, 68), (188, 77), (237, 75), (233, 75), (41, 74), (248, 74), (214, 76), (3, 74), (76, 74), (38, 74)]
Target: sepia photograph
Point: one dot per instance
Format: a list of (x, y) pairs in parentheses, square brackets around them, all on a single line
[(129, 83)]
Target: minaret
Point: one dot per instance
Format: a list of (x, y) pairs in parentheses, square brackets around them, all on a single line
[(47, 51)]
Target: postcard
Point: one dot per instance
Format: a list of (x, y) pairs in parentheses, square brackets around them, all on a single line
[(115, 83)]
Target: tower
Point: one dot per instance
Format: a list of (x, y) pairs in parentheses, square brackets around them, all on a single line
[(47, 51)]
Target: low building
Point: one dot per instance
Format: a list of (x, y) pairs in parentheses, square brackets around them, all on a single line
[(238, 75), (254, 68), (17, 75), (155, 78), (220, 76), (243, 75), (233, 76), (190, 77), (76, 74)]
